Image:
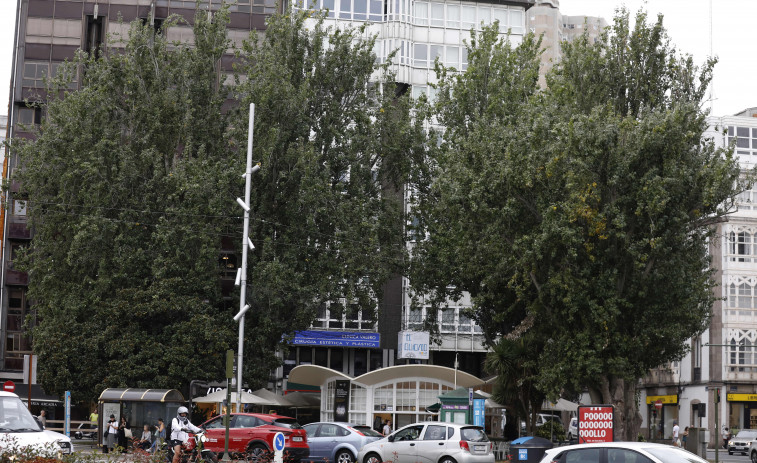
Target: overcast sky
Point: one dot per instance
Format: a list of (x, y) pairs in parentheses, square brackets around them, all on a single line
[(687, 21)]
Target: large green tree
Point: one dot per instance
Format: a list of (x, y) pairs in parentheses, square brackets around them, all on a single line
[(127, 182), (581, 216), (131, 183), (336, 142)]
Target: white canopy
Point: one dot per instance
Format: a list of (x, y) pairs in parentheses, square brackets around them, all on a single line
[(490, 403), (561, 405), (271, 398), (220, 396)]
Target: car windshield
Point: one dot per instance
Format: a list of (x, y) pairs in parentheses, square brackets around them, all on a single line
[(367, 431), (473, 435), (747, 435), (674, 455), (15, 417), (287, 423)]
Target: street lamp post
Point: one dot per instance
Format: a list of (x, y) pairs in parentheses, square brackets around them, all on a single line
[(246, 243)]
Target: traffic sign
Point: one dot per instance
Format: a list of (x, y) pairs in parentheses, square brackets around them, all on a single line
[(658, 404), (278, 442), (278, 447), (9, 386)]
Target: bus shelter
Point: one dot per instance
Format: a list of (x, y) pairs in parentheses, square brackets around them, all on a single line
[(139, 406)]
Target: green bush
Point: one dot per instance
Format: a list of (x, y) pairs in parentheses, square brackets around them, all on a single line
[(551, 430)]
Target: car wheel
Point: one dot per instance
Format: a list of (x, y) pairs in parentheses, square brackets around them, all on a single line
[(77, 435), (344, 456), (256, 453), (753, 457), (447, 460), (570, 436), (374, 458)]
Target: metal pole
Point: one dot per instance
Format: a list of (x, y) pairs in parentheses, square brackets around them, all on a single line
[(245, 241)]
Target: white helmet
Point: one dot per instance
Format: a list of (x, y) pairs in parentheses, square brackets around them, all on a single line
[(180, 411)]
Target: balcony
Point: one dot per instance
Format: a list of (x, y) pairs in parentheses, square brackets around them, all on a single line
[(15, 277), (17, 230)]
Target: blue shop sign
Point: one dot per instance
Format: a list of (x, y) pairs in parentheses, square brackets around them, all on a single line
[(336, 338)]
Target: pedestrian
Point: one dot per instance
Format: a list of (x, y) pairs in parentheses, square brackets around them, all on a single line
[(93, 417), (111, 432), (684, 436), (123, 443), (145, 441), (43, 418), (676, 429), (726, 435), (160, 436), (387, 427)]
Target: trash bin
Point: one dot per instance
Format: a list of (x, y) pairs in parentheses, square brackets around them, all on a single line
[(696, 442), (529, 449)]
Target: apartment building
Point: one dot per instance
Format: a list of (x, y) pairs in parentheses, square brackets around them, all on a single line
[(546, 21)]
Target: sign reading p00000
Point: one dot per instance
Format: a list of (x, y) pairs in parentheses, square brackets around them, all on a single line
[(595, 424)]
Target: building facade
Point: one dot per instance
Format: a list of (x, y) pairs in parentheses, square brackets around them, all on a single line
[(723, 360)]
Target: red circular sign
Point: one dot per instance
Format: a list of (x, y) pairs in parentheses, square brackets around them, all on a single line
[(9, 386), (658, 404)]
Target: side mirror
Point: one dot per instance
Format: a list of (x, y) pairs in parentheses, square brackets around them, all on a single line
[(390, 438)]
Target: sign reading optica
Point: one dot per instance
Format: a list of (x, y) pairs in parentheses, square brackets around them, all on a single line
[(595, 424)]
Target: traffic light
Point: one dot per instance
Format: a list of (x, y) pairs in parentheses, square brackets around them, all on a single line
[(717, 395)]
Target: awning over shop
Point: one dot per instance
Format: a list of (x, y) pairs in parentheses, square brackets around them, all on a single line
[(272, 398), (490, 403), (220, 396), (39, 397), (141, 395), (304, 400), (561, 405)]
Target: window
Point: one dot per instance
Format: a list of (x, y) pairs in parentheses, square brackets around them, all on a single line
[(453, 16), (437, 14), (626, 456), (19, 207), (35, 74), (582, 456), (740, 246), (740, 351), (500, 14), (452, 57), (435, 432), (411, 433), (516, 21), (420, 54), (448, 319), (469, 17), (94, 36), (421, 13)]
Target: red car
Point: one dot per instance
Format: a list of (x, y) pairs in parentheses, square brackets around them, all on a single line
[(251, 434)]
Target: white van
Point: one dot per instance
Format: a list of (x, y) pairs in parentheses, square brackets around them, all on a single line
[(20, 433)]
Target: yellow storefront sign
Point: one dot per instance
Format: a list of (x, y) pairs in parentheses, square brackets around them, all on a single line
[(664, 399), (741, 397)]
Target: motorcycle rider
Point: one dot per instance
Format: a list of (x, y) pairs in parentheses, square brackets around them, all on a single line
[(179, 428)]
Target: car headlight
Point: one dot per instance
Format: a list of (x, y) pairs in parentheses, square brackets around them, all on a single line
[(203, 438), (730, 442)]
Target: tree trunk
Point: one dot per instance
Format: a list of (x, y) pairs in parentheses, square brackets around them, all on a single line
[(621, 394)]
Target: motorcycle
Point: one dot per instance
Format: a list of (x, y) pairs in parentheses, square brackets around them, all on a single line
[(193, 451)]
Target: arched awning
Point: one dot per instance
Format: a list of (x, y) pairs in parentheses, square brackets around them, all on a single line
[(450, 375), (141, 395), (317, 375), (314, 375)]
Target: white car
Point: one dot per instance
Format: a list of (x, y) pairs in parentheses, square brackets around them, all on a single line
[(430, 442), (572, 429), (626, 452), (20, 433)]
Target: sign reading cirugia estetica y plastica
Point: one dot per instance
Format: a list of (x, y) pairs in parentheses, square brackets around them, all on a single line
[(412, 345)]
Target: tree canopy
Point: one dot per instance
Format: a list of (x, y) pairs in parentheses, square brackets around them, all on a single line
[(579, 216), (131, 181)]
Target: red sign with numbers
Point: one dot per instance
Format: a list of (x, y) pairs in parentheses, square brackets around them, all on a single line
[(595, 424)]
